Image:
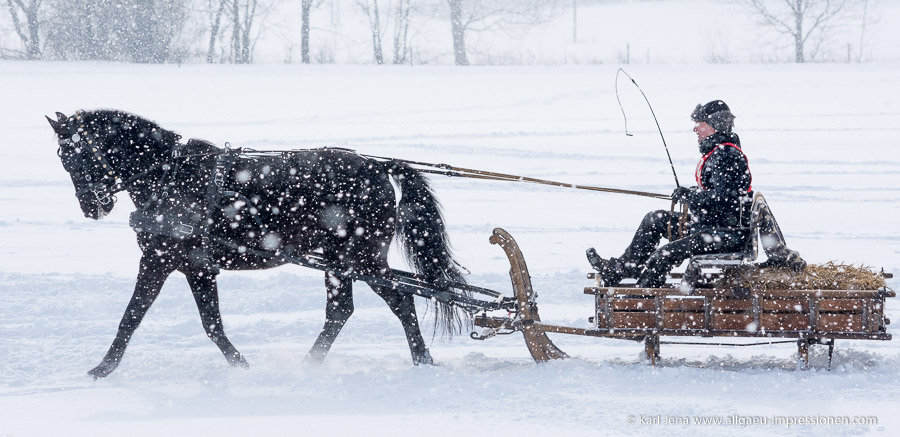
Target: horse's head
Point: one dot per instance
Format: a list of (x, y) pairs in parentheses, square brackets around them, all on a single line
[(83, 157)]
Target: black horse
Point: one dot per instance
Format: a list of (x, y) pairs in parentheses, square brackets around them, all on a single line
[(202, 208)]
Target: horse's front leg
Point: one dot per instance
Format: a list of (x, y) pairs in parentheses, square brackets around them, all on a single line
[(154, 270), (206, 294)]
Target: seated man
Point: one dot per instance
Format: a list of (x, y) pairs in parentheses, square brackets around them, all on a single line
[(719, 205)]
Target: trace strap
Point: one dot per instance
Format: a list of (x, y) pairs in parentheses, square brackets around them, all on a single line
[(399, 280)]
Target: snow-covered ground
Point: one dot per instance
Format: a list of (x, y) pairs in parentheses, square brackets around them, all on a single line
[(822, 142)]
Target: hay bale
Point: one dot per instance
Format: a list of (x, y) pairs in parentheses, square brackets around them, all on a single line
[(829, 276)]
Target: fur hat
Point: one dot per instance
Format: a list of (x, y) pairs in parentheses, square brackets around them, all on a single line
[(717, 114)]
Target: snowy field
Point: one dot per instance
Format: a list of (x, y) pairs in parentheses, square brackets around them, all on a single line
[(822, 142)]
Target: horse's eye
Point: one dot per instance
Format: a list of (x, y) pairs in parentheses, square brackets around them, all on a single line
[(87, 177)]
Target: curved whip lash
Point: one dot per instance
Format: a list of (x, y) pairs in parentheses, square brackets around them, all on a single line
[(651, 112)]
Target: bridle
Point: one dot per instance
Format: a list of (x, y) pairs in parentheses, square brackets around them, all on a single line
[(77, 164)]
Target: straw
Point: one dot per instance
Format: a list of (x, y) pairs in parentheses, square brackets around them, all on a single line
[(832, 275)]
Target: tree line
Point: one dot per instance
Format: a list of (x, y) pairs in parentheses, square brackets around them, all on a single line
[(227, 31)]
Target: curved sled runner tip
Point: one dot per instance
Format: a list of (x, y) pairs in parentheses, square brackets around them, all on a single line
[(526, 319)]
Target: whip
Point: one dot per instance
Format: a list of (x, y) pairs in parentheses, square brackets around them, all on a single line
[(651, 112)]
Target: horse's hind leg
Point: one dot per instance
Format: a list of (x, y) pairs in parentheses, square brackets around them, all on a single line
[(337, 311), (153, 272), (206, 295), (403, 306)]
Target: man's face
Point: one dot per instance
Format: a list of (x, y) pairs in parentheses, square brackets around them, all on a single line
[(703, 130)]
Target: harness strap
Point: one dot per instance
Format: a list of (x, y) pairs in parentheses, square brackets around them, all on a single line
[(215, 191)]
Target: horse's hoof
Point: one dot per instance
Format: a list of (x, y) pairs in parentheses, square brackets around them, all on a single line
[(423, 359), (314, 359), (316, 355), (101, 371), (240, 362)]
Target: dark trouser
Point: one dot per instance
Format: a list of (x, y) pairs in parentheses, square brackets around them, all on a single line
[(650, 265)]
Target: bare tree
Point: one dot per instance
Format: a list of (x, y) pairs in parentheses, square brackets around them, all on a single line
[(29, 32), (458, 26), (481, 15), (246, 26), (399, 18), (868, 17), (800, 19), (575, 21), (246, 19), (235, 31), (215, 23), (401, 32), (305, 6), (370, 7)]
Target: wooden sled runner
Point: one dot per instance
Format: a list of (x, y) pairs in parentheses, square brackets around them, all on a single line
[(526, 319), (642, 314)]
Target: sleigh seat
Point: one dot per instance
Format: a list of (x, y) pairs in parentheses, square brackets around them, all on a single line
[(702, 269)]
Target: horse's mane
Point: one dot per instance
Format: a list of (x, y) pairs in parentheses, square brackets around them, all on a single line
[(139, 130)]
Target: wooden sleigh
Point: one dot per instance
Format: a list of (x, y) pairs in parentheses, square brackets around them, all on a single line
[(647, 314)]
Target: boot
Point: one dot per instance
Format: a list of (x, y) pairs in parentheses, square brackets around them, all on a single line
[(781, 256), (596, 262), (611, 270)]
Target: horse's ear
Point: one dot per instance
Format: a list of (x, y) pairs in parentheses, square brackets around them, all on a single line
[(53, 123), (61, 118)]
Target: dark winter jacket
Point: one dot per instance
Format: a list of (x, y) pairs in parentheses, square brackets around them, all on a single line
[(723, 196)]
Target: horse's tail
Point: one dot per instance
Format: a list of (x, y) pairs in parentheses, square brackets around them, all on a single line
[(423, 238)]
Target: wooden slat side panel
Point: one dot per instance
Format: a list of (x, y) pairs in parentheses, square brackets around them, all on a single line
[(840, 322), (634, 320), (629, 304), (786, 305), (732, 304), (683, 320), (850, 305), (734, 322), (784, 322), (676, 304)]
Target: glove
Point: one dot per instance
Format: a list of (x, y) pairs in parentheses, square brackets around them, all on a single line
[(682, 194)]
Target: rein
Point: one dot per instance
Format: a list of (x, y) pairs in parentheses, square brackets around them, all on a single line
[(106, 193), (449, 170)]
